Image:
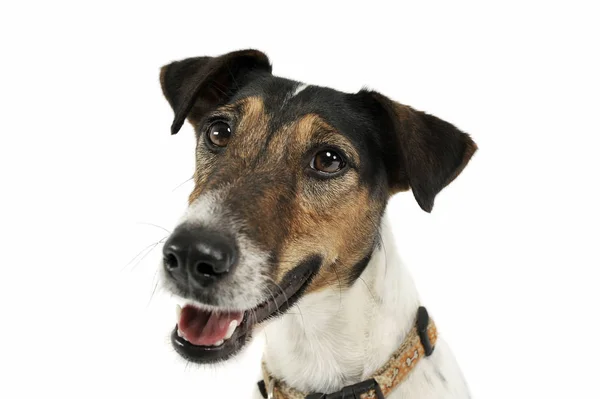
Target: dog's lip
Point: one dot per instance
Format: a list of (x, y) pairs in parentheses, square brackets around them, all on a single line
[(276, 305), (273, 306)]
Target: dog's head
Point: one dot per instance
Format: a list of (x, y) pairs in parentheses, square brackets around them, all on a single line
[(291, 182)]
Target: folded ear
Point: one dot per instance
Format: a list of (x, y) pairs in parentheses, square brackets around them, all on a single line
[(194, 86), (421, 152)]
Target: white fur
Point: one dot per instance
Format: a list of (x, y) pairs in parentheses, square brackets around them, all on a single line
[(336, 338), (206, 210), (292, 93), (299, 88)]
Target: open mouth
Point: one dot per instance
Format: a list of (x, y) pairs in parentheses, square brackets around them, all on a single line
[(208, 336)]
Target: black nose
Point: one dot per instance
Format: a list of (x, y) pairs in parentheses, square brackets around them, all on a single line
[(198, 254)]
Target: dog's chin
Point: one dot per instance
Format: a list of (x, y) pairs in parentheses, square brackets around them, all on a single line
[(221, 342)]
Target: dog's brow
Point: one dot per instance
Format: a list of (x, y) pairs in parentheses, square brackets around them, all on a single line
[(311, 128)]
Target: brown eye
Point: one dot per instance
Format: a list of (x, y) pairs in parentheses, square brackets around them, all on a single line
[(327, 161), (219, 134)]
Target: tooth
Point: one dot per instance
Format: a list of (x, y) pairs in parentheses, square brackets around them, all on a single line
[(218, 343), (179, 333), (231, 329), (178, 312)]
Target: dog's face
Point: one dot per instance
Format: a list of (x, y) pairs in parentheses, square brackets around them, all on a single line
[(291, 182)]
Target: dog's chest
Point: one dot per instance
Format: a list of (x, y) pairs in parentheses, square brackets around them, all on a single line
[(313, 348)]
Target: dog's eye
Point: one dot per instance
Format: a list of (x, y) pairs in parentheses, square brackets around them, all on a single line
[(219, 134), (327, 161)]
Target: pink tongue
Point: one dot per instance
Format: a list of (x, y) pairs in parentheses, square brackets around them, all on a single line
[(204, 328)]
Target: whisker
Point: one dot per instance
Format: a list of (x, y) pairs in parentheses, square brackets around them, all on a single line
[(253, 314), (368, 288), (155, 225), (339, 284), (272, 295), (274, 299), (384, 251), (148, 252), (182, 183), (302, 318), (282, 292), (154, 289), (149, 248)]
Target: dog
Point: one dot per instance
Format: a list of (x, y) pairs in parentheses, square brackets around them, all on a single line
[(286, 231)]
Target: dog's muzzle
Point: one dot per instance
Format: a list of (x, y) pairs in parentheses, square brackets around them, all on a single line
[(207, 268)]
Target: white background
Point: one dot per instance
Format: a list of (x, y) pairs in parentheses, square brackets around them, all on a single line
[(507, 262)]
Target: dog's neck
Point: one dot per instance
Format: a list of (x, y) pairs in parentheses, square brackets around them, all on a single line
[(335, 338)]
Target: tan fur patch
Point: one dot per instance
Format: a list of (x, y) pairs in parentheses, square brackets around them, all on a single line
[(342, 233), (252, 119), (250, 132), (332, 218), (312, 129)]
